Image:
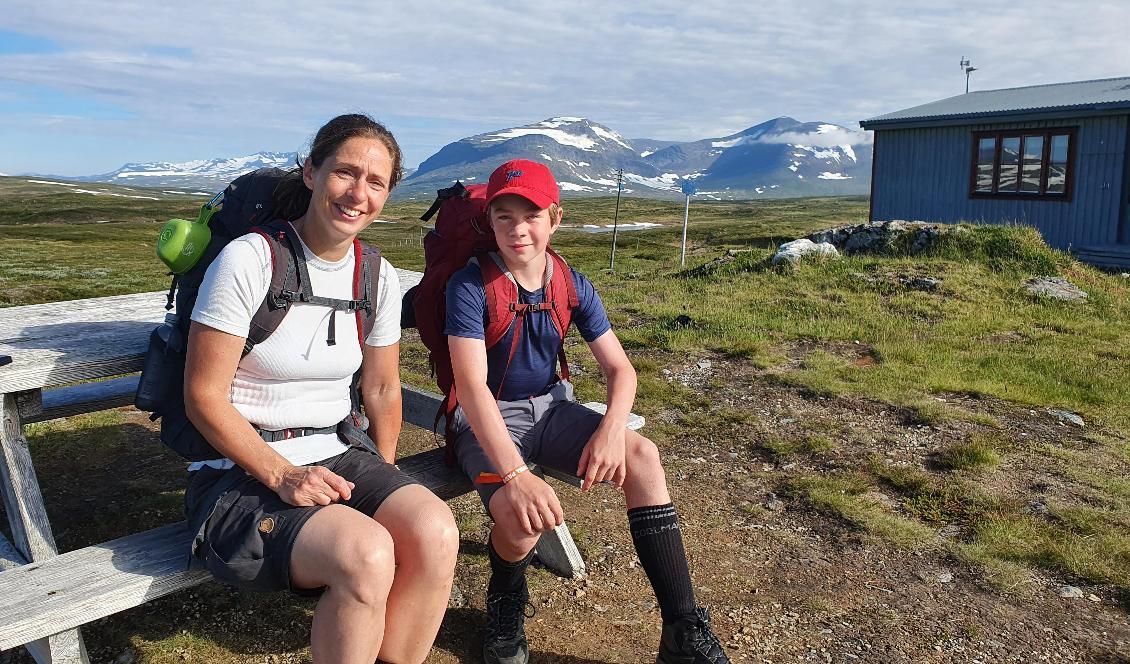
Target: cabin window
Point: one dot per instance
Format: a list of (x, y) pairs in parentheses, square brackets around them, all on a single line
[(1022, 164)]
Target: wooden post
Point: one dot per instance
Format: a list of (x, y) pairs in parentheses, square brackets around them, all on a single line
[(31, 531)]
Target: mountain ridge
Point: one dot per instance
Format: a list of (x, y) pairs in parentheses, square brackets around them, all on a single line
[(781, 157)]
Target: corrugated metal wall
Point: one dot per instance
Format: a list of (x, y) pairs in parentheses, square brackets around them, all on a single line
[(923, 174)]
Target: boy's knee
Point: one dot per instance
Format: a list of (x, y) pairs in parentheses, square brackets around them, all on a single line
[(642, 454)]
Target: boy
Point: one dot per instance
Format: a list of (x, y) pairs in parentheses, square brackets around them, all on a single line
[(514, 409)]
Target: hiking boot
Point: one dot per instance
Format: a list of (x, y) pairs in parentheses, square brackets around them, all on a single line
[(690, 641), (505, 638)]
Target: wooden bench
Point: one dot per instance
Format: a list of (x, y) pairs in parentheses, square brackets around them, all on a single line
[(43, 601)]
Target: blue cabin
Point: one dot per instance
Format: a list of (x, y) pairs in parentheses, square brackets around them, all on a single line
[(1056, 157)]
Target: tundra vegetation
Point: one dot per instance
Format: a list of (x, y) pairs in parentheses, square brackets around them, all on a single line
[(821, 412)]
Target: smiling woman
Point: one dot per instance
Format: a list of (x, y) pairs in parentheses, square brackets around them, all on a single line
[(292, 505)]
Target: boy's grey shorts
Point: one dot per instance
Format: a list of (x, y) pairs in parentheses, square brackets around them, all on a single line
[(550, 430), (245, 532)]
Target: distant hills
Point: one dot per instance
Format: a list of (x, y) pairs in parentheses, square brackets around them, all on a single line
[(779, 158)]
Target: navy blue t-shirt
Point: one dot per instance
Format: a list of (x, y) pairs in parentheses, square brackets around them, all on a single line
[(533, 369)]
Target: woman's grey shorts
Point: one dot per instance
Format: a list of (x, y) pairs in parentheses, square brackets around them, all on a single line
[(550, 430), (245, 532)]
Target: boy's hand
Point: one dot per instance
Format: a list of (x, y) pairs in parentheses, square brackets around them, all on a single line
[(603, 458), (306, 486), (534, 503)]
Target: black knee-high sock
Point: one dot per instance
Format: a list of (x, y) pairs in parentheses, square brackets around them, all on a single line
[(659, 544), (506, 576)]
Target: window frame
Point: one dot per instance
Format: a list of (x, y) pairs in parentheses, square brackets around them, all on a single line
[(1046, 133)]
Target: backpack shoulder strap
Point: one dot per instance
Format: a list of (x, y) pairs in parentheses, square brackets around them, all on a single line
[(501, 292), (561, 293), (366, 278), (288, 276)]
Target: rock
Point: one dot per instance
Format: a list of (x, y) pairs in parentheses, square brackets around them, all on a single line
[(682, 321), (791, 252), (928, 284), (1037, 507), (1093, 598), (1067, 417), (1056, 288), (128, 656), (950, 531), (773, 504), (945, 577), (1070, 592), (733, 456), (704, 365), (579, 592), (698, 460), (456, 600)]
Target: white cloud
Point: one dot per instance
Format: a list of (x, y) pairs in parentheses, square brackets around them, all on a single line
[(205, 79)]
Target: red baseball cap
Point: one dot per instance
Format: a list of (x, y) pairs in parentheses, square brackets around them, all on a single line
[(528, 179)]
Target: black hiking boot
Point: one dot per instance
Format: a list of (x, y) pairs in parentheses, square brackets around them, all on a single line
[(505, 638), (690, 641)]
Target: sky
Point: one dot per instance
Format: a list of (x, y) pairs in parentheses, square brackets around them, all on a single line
[(86, 86)]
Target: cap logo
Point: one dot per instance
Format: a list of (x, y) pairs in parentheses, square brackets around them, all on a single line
[(510, 175)]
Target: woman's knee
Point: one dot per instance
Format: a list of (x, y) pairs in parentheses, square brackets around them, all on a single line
[(422, 528), (366, 563)]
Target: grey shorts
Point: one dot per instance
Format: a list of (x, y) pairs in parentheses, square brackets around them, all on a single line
[(550, 430), (245, 533)]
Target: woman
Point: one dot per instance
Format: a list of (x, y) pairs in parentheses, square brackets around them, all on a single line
[(310, 514)]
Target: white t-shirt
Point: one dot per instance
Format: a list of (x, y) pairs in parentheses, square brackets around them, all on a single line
[(294, 378)]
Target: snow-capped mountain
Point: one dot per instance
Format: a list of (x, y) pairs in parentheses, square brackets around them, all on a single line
[(782, 157), (779, 158), (202, 174)]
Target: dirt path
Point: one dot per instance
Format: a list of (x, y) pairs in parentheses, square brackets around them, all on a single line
[(785, 583)]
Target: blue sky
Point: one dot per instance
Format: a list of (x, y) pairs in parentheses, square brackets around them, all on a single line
[(86, 86)]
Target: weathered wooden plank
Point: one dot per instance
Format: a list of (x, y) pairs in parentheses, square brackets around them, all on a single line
[(63, 648), (9, 556), (31, 531), (29, 403), (66, 342), (77, 587), (86, 398)]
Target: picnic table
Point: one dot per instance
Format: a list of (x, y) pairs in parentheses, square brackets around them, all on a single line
[(79, 356)]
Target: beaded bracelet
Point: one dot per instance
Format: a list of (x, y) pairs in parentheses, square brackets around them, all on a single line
[(514, 473)]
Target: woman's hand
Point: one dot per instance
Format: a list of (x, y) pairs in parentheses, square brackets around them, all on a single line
[(306, 486)]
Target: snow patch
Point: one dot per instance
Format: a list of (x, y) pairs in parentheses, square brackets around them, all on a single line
[(569, 186), (728, 144), (647, 152), (546, 157), (61, 184), (562, 137), (667, 181), (609, 135), (623, 228), (833, 176)]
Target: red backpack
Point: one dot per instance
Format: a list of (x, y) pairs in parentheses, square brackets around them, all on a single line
[(462, 233)]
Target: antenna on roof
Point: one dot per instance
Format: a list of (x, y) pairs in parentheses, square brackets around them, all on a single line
[(968, 70)]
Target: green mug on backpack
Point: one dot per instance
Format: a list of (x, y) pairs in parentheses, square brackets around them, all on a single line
[(181, 242)]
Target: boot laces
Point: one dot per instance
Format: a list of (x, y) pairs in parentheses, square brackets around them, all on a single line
[(700, 637), (507, 613)]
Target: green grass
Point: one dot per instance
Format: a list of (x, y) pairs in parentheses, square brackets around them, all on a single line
[(975, 454), (979, 334), (847, 496)]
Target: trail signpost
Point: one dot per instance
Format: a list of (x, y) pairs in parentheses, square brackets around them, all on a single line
[(688, 190)]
